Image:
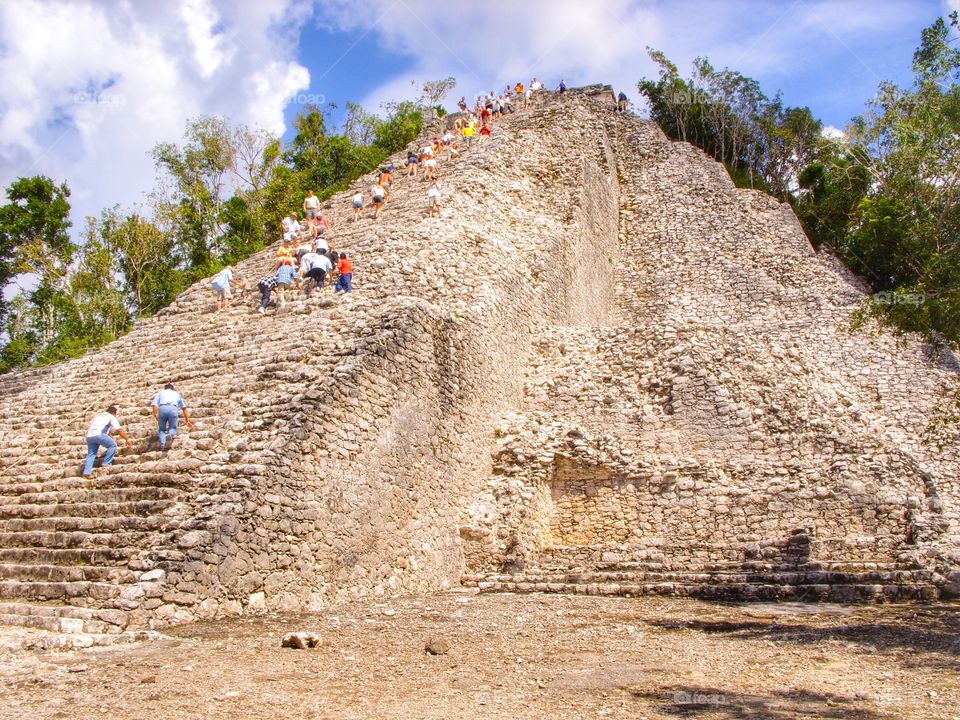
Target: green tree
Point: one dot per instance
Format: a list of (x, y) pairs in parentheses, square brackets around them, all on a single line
[(141, 255), (762, 143), (907, 230), (200, 170), (34, 226), (34, 239), (831, 188), (432, 92), (96, 287), (403, 123), (359, 125)]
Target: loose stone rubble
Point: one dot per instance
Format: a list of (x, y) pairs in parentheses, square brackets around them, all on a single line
[(603, 369), (300, 640)]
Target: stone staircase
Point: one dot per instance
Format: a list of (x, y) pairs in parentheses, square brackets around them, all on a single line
[(737, 584), (338, 440), (325, 431), (768, 573)]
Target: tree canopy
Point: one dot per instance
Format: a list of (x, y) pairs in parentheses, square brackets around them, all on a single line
[(221, 193), (885, 197)]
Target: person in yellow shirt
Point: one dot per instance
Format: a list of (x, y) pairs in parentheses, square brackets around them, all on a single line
[(469, 131), (285, 255)]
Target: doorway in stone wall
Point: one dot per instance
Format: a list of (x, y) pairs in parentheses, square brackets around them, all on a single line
[(591, 505)]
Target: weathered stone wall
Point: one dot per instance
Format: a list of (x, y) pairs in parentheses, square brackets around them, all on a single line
[(338, 439), (602, 351), (727, 408)]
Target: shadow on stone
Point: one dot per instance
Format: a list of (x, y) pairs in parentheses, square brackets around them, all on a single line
[(695, 701)]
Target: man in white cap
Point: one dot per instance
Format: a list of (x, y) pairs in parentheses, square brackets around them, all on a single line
[(291, 226)]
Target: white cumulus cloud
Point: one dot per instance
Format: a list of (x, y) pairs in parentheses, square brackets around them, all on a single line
[(90, 86), (833, 133), (487, 45)]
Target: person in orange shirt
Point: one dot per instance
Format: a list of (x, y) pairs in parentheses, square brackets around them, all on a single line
[(285, 255), (345, 269)]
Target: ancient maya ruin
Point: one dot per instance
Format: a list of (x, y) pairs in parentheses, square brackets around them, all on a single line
[(604, 370)]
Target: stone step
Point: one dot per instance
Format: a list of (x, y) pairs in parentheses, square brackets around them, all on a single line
[(743, 566), (110, 523), (125, 474), (139, 508), (807, 577), (734, 592), (66, 573), (119, 494), (145, 448), (71, 448), (70, 539), (99, 481), (119, 556), (62, 618), (88, 591), (878, 550)]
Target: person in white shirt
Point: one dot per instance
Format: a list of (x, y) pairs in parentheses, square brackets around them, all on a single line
[(379, 195), (433, 200), (166, 407), (306, 244), (98, 434), (311, 204), (357, 205), (536, 85), (315, 267), (430, 168), (222, 282), (291, 226)]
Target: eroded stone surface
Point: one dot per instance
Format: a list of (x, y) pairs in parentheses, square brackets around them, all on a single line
[(603, 368)]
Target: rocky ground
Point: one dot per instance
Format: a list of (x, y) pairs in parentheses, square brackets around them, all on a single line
[(512, 656)]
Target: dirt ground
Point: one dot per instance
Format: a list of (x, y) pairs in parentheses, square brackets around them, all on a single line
[(513, 656)]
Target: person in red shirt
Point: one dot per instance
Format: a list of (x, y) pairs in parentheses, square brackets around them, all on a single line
[(484, 133), (345, 281)]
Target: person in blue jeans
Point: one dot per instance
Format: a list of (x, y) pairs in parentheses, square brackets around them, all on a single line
[(98, 435), (286, 276), (166, 407), (345, 268)]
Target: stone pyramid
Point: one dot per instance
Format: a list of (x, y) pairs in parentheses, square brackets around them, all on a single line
[(603, 369)]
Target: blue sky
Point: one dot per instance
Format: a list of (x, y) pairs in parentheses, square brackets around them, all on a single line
[(828, 55), (90, 86)]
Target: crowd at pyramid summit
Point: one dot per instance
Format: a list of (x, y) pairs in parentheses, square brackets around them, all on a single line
[(306, 260)]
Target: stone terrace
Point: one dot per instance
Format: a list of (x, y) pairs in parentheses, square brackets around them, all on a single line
[(724, 435), (338, 439), (602, 369)]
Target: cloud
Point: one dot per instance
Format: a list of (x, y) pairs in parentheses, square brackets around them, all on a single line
[(833, 132), (486, 45), (89, 87)]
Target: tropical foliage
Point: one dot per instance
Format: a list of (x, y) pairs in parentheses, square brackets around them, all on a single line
[(885, 197), (221, 193)]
